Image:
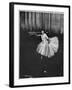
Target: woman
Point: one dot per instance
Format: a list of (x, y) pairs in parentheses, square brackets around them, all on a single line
[(48, 46)]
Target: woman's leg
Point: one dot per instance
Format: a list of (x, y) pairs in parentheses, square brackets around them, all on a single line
[(43, 64), (41, 57)]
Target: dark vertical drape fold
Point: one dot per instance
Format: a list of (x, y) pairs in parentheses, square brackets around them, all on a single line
[(33, 20), (26, 21)]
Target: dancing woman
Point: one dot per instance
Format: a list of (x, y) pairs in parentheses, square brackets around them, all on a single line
[(48, 46)]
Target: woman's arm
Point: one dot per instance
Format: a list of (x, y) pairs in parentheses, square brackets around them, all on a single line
[(38, 34), (34, 33)]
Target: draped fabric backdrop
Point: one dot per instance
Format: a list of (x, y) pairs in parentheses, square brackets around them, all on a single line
[(37, 21)]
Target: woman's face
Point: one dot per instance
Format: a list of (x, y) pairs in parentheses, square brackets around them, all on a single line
[(42, 32)]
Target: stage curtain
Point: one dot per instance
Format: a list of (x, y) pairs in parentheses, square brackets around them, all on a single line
[(37, 21)]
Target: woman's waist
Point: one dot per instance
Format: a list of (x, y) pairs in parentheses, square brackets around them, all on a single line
[(44, 41)]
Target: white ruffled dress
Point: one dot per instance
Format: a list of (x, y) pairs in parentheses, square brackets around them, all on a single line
[(48, 48)]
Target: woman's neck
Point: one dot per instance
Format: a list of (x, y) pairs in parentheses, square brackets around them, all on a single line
[(42, 33)]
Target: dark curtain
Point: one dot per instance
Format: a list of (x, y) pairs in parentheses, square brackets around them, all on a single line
[(37, 21)]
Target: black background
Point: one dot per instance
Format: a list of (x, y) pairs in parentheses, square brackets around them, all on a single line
[(30, 60)]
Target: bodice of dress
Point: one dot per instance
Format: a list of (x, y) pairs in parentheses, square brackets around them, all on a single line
[(44, 37)]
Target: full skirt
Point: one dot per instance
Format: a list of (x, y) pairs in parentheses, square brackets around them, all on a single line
[(48, 48)]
